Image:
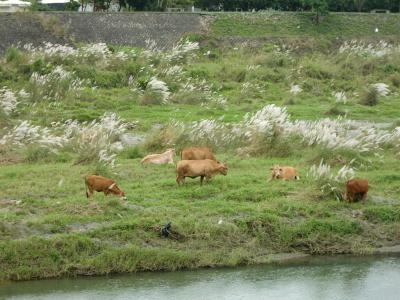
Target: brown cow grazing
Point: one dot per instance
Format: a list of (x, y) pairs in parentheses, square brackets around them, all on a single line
[(102, 184), (284, 172), (194, 168), (197, 153), (356, 189), (159, 159)]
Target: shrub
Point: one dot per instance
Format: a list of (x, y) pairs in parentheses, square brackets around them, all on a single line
[(151, 98), (38, 154), (189, 97), (14, 55), (335, 111), (55, 85), (132, 153), (395, 80), (101, 169), (369, 96), (109, 79), (338, 157), (382, 214), (318, 70), (85, 72), (330, 185), (289, 101), (94, 142)]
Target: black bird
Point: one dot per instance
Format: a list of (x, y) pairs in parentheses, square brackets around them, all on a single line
[(165, 230)]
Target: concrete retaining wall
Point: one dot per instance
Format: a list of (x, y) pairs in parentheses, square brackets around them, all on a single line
[(112, 28)]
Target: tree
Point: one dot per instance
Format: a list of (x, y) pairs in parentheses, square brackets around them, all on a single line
[(320, 7), (72, 5), (359, 4)]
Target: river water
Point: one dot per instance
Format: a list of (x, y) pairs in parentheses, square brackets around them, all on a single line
[(316, 278)]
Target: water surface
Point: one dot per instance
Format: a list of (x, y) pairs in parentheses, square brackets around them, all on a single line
[(317, 278)]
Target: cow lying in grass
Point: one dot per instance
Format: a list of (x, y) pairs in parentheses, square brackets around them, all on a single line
[(356, 189), (199, 168), (102, 184), (197, 153), (284, 172), (159, 159)]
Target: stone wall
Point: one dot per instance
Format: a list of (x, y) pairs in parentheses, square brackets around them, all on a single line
[(131, 29)]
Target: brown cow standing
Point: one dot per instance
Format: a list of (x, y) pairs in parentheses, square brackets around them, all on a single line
[(194, 168), (102, 184), (197, 153), (356, 189)]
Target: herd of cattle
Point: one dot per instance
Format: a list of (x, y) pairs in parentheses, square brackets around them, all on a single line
[(201, 162)]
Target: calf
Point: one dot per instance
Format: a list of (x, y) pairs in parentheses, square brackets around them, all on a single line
[(197, 153), (356, 189), (199, 168), (102, 184), (284, 172), (159, 159)]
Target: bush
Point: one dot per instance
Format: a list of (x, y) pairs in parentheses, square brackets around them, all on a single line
[(151, 98), (189, 97), (382, 214), (318, 70), (369, 97), (335, 111), (132, 153), (85, 72), (109, 79), (14, 55), (395, 80), (337, 157), (101, 170), (35, 154)]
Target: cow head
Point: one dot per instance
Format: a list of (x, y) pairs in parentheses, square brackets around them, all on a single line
[(115, 190), (222, 168), (276, 172)]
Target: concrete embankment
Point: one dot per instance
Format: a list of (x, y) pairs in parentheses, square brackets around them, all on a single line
[(131, 29)]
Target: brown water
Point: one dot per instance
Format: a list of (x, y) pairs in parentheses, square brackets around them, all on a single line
[(317, 278)]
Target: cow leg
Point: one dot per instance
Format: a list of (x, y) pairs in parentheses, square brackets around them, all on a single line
[(363, 197), (180, 180), (350, 197), (201, 180), (208, 178), (89, 192)]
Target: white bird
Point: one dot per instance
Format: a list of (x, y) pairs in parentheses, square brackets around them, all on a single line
[(376, 29), (220, 222)]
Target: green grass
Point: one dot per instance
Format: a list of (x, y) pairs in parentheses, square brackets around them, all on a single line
[(48, 228), (65, 234), (300, 25)]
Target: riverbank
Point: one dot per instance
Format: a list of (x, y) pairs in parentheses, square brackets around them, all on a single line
[(235, 220)]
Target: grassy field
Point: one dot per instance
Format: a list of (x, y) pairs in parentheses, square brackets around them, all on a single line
[(47, 226), (298, 25)]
